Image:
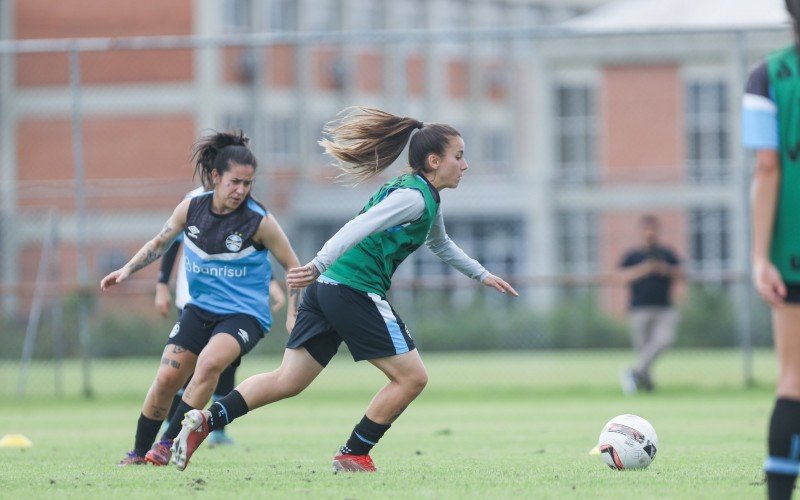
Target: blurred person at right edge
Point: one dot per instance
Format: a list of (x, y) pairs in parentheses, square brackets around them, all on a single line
[(771, 127)]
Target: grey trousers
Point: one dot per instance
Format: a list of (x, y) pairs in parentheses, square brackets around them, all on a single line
[(653, 331)]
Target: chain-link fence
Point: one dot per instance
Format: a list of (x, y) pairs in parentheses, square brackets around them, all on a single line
[(571, 136)]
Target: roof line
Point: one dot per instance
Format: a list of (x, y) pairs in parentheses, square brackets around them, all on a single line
[(31, 46)]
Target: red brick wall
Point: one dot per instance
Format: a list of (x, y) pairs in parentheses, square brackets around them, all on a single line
[(323, 60), (281, 68), (497, 76), (457, 79), (415, 75), (641, 123), (101, 18), (369, 71), (156, 66), (233, 65), (145, 147)]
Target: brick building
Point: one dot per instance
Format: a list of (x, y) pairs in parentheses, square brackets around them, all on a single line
[(570, 137)]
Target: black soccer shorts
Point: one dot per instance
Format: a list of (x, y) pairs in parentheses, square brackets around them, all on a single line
[(331, 313), (196, 326)]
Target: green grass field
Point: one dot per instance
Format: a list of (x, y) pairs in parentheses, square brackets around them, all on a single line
[(489, 425)]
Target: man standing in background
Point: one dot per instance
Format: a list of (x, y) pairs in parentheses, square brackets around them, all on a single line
[(649, 271)]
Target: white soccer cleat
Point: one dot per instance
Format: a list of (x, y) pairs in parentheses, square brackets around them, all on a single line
[(193, 432)]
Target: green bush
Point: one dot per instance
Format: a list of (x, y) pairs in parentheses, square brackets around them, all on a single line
[(507, 324), (12, 335), (112, 334), (579, 323), (708, 319), (436, 320), (123, 335)]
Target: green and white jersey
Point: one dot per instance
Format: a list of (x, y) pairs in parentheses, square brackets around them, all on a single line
[(784, 76), (397, 219)]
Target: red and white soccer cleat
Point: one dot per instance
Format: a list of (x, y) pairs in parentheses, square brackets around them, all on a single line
[(353, 463), (193, 432)]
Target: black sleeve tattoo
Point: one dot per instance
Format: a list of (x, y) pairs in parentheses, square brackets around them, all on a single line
[(150, 256), (165, 230)]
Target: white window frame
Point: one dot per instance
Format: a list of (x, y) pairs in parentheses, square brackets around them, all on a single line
[(577, 242), (282, 15), (236, 15), (366, 15), (493, 251), (579, 126), (324, 15), (713, 226), (492, 14), (408, 14), (715, 156), (282, 139), (239, 121), (498, 150), (453, 15)]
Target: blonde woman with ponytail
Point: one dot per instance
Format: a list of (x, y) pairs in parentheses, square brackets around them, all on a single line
[(348, 280)]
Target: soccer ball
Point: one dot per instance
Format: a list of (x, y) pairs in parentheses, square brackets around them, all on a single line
[(628, 442)]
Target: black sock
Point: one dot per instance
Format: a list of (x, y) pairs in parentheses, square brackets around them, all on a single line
[(226, 410), (365, 435), (175, 424), (214, 399), (146, 430), (226, 382), (784, 449), (176, 400)]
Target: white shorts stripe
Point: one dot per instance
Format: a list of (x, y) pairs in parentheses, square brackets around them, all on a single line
[(399, 341)]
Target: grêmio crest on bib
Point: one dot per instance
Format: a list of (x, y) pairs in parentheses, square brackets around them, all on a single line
[(234, 242)]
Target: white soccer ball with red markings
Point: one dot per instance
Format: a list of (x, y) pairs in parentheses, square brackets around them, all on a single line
[(628, 442)]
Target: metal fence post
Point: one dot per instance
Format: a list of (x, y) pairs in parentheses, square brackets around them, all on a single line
[(9, 271), (743, 292), (80, 218)]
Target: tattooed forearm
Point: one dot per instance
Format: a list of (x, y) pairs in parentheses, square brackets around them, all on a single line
[(165, 230), (143, 259), (153, 249)]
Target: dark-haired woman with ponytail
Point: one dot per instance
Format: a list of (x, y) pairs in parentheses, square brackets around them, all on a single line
[(228, 237), (349, 279), (770, 127)]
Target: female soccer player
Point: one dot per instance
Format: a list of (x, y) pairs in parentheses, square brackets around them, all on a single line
[(349, 278), (770, 108), (228, 237), (163, 302)]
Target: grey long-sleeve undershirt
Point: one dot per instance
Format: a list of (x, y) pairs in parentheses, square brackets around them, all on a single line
[(399, 207)]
